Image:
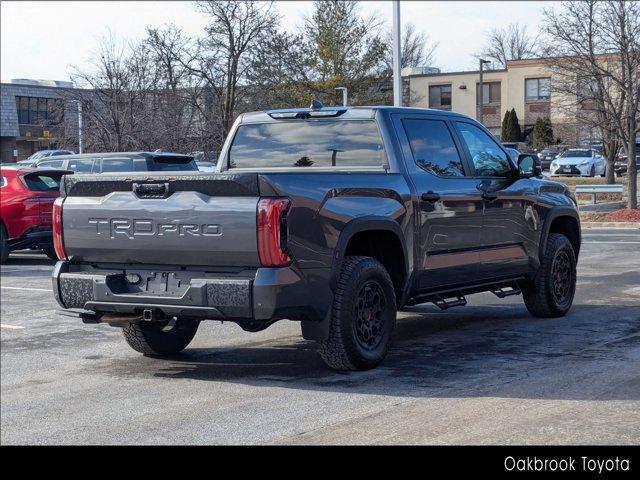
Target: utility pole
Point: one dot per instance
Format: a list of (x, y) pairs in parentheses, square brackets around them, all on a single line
[(80, 127), (481, 91), (344, 95), (397, 52)]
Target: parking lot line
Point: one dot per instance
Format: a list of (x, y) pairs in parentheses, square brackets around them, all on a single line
[(11, 327), (29, 289), (613, 242)]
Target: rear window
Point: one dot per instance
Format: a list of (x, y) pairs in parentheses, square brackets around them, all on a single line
[(313, 143), (123, 164), (43, 182), (167, 163)]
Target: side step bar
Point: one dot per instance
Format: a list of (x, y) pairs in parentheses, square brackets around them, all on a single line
[(446, 299)]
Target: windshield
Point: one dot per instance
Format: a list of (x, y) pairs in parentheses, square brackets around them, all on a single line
[(313, 143), (576, 153)]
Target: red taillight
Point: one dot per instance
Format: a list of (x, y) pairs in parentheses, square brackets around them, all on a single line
[(270, 232), (58, 242)]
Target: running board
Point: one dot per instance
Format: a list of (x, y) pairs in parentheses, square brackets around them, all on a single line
[(455, 297), (512, 289), (444, 303)]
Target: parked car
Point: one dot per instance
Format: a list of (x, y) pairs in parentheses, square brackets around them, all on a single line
[(522, 147), (208, 156), (121, 162), (548, 154), (578, 161), (206, 166), (25, 211), (620, 165), (335, 217), (46, 154)]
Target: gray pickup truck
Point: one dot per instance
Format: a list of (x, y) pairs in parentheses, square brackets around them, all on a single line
[(332, 216)]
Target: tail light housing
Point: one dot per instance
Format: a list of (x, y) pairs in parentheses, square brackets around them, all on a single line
[(58, 240), (272, 230)]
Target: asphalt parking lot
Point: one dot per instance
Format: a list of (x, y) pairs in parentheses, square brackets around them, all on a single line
[(487, 373)]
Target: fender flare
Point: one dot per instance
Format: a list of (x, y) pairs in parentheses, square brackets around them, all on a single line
[(556, 212), (363, 224), (319, 331)]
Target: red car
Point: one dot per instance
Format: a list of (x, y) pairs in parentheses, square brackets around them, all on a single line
[(26, 202)]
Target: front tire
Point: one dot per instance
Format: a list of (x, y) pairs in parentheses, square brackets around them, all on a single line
[(363, 315), (155, 338), (550, 294)]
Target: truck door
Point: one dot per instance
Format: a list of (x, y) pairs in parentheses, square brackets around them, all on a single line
[(448, 204), (510, 219)]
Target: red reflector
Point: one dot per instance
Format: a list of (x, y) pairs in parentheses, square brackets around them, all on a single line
[(58, 242), (270, 231)]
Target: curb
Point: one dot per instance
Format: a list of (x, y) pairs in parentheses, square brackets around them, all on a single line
[(613, 225)]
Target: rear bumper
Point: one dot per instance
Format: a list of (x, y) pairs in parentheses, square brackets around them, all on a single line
[(263, 294)]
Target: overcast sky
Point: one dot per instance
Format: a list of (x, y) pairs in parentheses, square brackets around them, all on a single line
[(40, 40)]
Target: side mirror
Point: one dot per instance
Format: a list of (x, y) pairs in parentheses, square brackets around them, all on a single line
[(529, 166)]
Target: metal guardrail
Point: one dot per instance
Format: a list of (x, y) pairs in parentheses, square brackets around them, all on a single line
[(595, 189)]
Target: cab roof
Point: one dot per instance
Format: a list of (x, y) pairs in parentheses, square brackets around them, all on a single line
[(351, 112)]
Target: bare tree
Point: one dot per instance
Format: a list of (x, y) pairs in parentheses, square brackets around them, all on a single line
[(596, 46), (508, 43), (417, 49), (224, 54)]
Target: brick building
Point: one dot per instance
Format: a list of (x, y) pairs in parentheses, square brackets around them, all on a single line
[(524, 85), (34, 115)]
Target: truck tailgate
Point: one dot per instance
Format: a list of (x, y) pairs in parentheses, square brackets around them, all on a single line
[(202, 220)]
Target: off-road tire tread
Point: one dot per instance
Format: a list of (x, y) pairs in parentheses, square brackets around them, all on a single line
[(335, 352), (145, 343), (537, 294)]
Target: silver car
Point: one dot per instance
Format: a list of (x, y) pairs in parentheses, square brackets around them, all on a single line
[(584, 162)]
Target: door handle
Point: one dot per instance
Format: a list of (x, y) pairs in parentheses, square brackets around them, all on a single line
[(490, 197), (430, 197)]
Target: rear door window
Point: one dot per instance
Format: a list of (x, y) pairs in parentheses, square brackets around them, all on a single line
[(50, 164), (433, 147), (307, 143), (81, 165), (123, 164)]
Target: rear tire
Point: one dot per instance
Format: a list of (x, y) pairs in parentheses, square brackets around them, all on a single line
[(154, 338), (363, 315), (4, 245), (550, 294), (50, 252)]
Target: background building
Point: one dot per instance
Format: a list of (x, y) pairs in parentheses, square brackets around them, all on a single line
[(34, 115), (525, 85)]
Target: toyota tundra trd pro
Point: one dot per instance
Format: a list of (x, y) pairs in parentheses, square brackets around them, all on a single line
[(333, 216)]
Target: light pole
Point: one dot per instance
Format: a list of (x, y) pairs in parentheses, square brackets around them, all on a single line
[(481, 91), (397, 52), (80, 126), (344, 95)]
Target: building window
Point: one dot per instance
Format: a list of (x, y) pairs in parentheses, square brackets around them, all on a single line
[(440, 97), (537, 89), (490, 93), (39, 111)]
